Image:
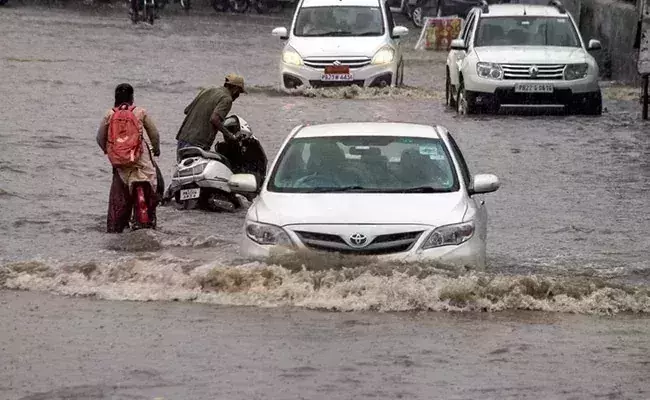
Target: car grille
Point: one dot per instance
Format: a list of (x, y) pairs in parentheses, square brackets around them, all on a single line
[(321, 63), (382, 244), (522, 71)]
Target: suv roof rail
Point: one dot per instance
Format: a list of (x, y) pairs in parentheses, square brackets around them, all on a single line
[(558, 4), (485, 7)]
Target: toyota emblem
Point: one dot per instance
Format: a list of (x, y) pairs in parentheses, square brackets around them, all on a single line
[(532, 71), (358, 240)]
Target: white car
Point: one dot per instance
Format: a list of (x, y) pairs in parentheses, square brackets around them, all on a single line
[(393, 190), (522, 55), (334, 43)]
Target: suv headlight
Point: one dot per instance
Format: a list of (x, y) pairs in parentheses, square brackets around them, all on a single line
[(385, 55), (449, 235), (266, 234), (489, 70), (291, 56), (575, 71)]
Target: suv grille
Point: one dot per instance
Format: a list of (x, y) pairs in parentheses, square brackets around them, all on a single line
[(523, 71), (382, 244), (321, 63)]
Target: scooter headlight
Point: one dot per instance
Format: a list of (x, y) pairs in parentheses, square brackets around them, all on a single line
[(195, 170)]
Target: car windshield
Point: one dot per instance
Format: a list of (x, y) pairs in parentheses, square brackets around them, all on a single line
[(371, 164), (339, 21), (526, 31)]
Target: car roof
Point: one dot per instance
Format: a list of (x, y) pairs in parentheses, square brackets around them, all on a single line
[(510, 10), (351, 3), (368, 129)]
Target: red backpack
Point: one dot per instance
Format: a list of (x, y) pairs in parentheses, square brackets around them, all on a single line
[(124, 142)]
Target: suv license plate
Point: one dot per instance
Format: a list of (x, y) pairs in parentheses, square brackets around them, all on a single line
[(337, 77), (189, 194), (533, 88)]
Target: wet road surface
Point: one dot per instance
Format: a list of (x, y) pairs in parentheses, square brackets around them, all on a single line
[(569, 232)]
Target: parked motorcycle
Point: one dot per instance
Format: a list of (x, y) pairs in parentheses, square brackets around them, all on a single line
[(238, 6), (201, 177), (271, 6), (185, 4)]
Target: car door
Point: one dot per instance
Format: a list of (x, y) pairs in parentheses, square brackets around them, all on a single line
[(476, 201), (456, 57), (390, 24)]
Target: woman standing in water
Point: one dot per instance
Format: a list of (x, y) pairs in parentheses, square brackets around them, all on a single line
[(134, 187)]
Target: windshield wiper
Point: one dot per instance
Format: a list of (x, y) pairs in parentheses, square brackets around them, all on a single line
[(333, 33), (338, 189), (418, 189), (368, 34)]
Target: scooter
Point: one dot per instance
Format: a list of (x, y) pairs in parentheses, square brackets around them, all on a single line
[(201, 177)]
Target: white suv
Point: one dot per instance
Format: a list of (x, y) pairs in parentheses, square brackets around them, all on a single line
[(522, 55), (334, 43)]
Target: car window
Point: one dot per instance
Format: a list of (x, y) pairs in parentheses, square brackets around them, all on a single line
[(376, 164), (461, 160), (526, 31), (339, 21), (465, 22), (469, 24), (389, 16)]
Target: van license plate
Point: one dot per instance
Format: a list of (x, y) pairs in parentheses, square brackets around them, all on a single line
[(533, 88), (189, 194)]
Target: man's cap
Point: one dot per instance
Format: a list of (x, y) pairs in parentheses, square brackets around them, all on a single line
[(236, 80)]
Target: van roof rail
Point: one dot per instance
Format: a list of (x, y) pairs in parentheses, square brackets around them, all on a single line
[(558, 4)]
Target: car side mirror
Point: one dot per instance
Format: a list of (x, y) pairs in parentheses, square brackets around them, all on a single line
[(243, 183), (280, 32), (400, 31), (594, 45), (484, 183), (458, 44)]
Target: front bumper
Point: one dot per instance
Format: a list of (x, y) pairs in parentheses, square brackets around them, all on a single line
[(293, 76), (502, 92), (470, 253)]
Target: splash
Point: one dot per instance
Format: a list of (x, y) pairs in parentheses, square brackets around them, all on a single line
[(353, 92), (334, 284)]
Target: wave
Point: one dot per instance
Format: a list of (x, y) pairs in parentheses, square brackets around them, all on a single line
[(333, 283), (352, 92)]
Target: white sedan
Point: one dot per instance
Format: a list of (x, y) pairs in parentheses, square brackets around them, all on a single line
[(393, 190)]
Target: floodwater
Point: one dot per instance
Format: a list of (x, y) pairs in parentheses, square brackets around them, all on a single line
[(561, 312)]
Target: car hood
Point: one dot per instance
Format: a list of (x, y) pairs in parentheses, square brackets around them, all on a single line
[(531, 54), (363, 46), (359, 208)]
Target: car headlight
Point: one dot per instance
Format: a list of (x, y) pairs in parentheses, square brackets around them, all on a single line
[(385, 55), (575, 71), (290, 56), (266, 234), (449, 235), (489, 70)]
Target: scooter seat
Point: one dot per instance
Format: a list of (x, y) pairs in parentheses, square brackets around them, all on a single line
[(188, 152)]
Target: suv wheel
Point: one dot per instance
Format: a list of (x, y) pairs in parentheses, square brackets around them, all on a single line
[(593, 104), (450, 101), (465, 101)]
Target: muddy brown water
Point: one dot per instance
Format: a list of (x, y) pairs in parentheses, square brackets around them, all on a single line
[(561, 311)]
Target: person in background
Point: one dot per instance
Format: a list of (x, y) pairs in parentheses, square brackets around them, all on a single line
[(204, 116), (134, 188)]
